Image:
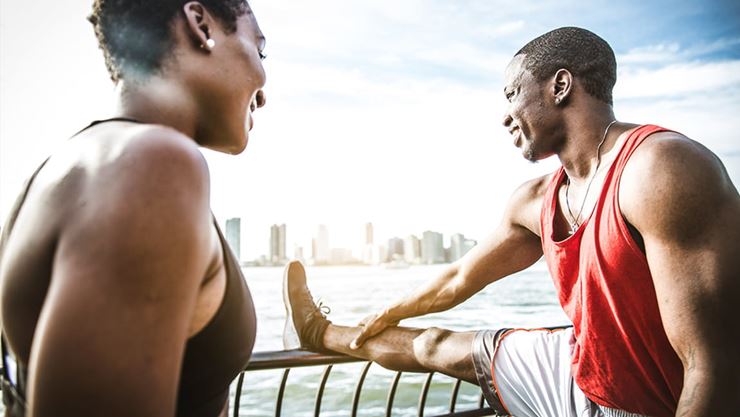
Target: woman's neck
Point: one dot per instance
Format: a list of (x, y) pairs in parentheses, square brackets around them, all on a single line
[(159, 101)]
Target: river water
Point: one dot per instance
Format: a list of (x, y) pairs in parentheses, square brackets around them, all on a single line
[(525, 299)]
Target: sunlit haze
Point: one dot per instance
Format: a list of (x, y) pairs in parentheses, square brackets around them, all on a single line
[(381, 111)]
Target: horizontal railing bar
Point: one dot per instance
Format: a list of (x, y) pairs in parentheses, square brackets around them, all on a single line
[(295, 358), (480, 412)]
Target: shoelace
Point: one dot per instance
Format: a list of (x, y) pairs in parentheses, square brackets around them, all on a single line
[(322, 308)]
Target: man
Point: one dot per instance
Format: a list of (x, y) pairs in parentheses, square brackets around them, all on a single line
[(640, 228)]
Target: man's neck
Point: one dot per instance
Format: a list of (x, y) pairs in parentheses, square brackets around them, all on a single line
[(579, 154)]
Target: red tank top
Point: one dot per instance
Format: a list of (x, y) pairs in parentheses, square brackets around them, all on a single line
[(622, 358)]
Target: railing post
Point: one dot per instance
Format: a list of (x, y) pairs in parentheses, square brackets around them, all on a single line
[(392, 394), (238, 393), (453, 396), (281, 392), (424, 392), (320, 392), (358, 389)]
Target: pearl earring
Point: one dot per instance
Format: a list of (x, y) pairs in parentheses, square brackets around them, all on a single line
[(210, 43), (557, 101)]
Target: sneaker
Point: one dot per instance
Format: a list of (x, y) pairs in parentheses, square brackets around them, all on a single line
[(305, 322)]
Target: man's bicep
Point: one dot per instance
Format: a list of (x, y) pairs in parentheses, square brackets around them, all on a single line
[(697, 292), (688, 214)]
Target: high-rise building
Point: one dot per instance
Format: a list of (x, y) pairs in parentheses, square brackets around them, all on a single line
[(412, 249), (298, 253), (368, 233), (277, 244), (321, 252), (456, 246), (395, 248), (432, 248), (233, 236), (459, 246)]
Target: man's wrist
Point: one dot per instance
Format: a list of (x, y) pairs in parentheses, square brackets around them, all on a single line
[(392, 314)]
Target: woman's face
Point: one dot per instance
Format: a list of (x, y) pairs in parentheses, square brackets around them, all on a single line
[(233, 86)]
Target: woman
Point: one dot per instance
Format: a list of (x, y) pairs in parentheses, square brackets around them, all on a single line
[(120, 296)]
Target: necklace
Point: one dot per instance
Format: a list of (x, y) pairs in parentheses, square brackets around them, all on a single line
[(574, 225)]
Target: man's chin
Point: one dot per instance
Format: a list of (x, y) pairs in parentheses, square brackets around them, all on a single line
[(530, 155)]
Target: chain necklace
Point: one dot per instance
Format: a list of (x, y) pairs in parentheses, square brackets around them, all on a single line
[(574, 225)]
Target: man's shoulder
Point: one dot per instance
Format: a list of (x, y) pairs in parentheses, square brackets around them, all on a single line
[(525, 204), (669, 159), (671, 179), (534, 189)]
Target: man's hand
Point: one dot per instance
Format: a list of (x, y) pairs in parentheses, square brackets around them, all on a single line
[(371, 326)]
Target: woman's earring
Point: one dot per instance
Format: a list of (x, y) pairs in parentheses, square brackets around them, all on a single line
[(210, 43), (557, 100)]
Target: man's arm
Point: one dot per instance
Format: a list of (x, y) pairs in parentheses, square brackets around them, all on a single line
[(677, 194), (513, 246), (126, 274)]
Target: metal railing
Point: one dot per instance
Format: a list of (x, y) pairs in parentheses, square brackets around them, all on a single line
[(289, 359)]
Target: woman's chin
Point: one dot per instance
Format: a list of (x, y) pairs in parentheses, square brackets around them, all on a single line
[(238, 147)]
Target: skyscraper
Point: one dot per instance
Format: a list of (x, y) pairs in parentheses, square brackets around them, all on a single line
[(395, 248), (459, 246), (456, 246), (412, 249), (368, 233), (432, 248), (233, 235), (277, 244), (321, 252)]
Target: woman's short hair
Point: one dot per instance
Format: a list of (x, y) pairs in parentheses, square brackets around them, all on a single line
[(135, 35)]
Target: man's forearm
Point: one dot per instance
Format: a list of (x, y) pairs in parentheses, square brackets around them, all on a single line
[(443, 293)]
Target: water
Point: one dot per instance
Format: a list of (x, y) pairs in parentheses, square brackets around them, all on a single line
[(526, 299)]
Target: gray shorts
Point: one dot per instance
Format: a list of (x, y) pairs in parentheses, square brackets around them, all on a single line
[(526, 373)]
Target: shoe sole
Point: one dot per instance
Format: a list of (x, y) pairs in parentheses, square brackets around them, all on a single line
[(290, 334)]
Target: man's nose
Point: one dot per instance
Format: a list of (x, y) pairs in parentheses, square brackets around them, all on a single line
[(507, 119), (260, 98)]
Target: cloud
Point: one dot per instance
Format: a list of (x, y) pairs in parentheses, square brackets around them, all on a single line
[(667, 53), (676, 80)]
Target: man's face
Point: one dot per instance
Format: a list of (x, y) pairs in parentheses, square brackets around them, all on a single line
[(525, 116)]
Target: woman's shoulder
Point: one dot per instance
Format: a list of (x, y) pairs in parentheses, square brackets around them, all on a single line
[(113, 167), (147, 143), (133, 153)]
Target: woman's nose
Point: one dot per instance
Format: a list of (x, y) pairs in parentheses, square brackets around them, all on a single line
[(260, 98)]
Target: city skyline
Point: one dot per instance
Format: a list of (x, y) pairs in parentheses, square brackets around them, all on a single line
[(430, 248), (397, 120)]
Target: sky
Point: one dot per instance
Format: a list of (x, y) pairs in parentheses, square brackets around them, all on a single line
[(382, 111)]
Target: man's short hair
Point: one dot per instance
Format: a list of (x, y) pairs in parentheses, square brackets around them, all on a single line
[(587, 56), (135, 35)]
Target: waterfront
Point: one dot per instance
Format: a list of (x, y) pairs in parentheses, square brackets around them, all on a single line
[(526, 299)]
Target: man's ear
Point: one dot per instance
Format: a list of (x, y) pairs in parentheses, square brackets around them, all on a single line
[(200, 24), (562, 86)]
